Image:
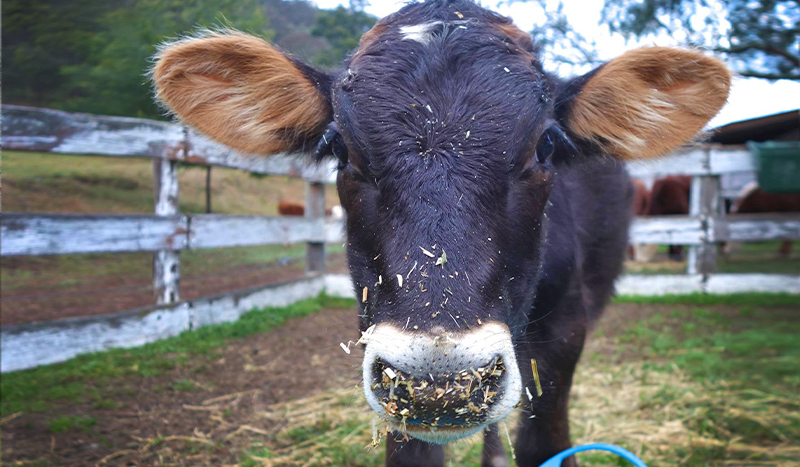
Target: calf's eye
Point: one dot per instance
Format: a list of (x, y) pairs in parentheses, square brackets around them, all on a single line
[(339, 150), (545, 147), (332, 143)]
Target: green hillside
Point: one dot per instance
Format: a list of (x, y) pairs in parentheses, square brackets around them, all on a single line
[(93, 55)]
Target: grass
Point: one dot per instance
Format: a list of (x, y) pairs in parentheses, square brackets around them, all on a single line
[(700, 382), (41, 182), (62, 424), (81, 378), (743, 299), (733, 397)]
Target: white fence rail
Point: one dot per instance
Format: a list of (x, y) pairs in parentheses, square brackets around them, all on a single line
[(64, 234), (48, 130)]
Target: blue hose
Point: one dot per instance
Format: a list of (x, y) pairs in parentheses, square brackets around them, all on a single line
[(556, 460)]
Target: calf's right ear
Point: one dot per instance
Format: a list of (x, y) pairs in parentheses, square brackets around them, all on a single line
[(243, 92)]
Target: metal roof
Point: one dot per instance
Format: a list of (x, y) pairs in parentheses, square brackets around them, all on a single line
[(784, 126)]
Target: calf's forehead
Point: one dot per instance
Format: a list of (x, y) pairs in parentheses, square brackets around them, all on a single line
[(459, 13), (432, 77)]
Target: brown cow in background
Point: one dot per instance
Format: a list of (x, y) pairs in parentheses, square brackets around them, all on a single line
[(755, 200), (640, 206), (290, 208), (670, 196), (641, 198)]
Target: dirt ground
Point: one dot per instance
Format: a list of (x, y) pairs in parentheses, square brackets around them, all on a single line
[(251, 374), (228, 392), (106, 295)]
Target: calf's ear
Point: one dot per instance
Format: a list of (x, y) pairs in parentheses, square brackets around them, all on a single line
[(645, 103), (243, 92)]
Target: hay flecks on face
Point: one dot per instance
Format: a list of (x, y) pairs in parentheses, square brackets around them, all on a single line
[(427, 253), (536, 380)]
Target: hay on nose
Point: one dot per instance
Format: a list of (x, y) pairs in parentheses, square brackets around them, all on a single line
[(449, 399)]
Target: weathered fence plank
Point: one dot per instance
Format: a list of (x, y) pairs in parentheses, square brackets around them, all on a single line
[(708, 160), (334, 230), (166, 262), (28, 345), (315, 209), (61, 234), (744, 283), (218, 231), (48, 130), (662, 230), (648, 285), (202, 150), (757, 227)]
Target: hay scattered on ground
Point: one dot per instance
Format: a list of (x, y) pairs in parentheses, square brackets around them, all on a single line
[(655, 414)]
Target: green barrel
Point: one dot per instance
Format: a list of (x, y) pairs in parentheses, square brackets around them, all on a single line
[(778, 165)]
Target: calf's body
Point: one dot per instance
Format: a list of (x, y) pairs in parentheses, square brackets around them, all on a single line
[(487, 205)]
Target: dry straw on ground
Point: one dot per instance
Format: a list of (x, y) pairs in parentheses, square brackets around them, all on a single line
[(620, 404)]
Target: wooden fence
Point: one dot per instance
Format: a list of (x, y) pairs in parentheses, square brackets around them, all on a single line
[(707, 224), (167, 231)]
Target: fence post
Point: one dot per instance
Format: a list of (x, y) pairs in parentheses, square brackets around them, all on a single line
[(166, 263), (704, 204), (315, 207)]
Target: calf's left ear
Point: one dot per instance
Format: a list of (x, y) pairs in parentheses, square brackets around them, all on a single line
[(243, 92), (645, 103)]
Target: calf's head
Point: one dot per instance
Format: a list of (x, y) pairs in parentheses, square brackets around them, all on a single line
[(448, 134)]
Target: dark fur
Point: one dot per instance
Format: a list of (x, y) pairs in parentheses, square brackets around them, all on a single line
[(457, 141), (536, 245)]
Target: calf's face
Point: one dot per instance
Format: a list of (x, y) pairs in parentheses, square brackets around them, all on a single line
[(449, 135)]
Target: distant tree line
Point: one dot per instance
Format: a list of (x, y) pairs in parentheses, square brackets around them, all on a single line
[(93, 55), (759, 38)]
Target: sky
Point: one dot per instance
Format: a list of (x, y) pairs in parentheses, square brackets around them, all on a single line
[(750, 97)]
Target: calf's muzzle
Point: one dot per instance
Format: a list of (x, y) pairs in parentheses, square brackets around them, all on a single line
[(440, 386)]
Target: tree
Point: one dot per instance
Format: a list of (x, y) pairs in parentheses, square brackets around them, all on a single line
[(342, 28), (113, 79), (41, 37), (761, 38), (559, 42), (93, 55)]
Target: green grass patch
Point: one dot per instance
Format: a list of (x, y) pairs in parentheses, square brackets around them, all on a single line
[(758, 299), (743, 365), (62, 424), (739, 349), (73, 381), (186, 385)]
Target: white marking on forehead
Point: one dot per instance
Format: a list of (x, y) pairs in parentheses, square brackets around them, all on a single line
[(423, 32)]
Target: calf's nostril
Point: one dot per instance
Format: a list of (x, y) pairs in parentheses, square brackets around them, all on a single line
[(443, 399)]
